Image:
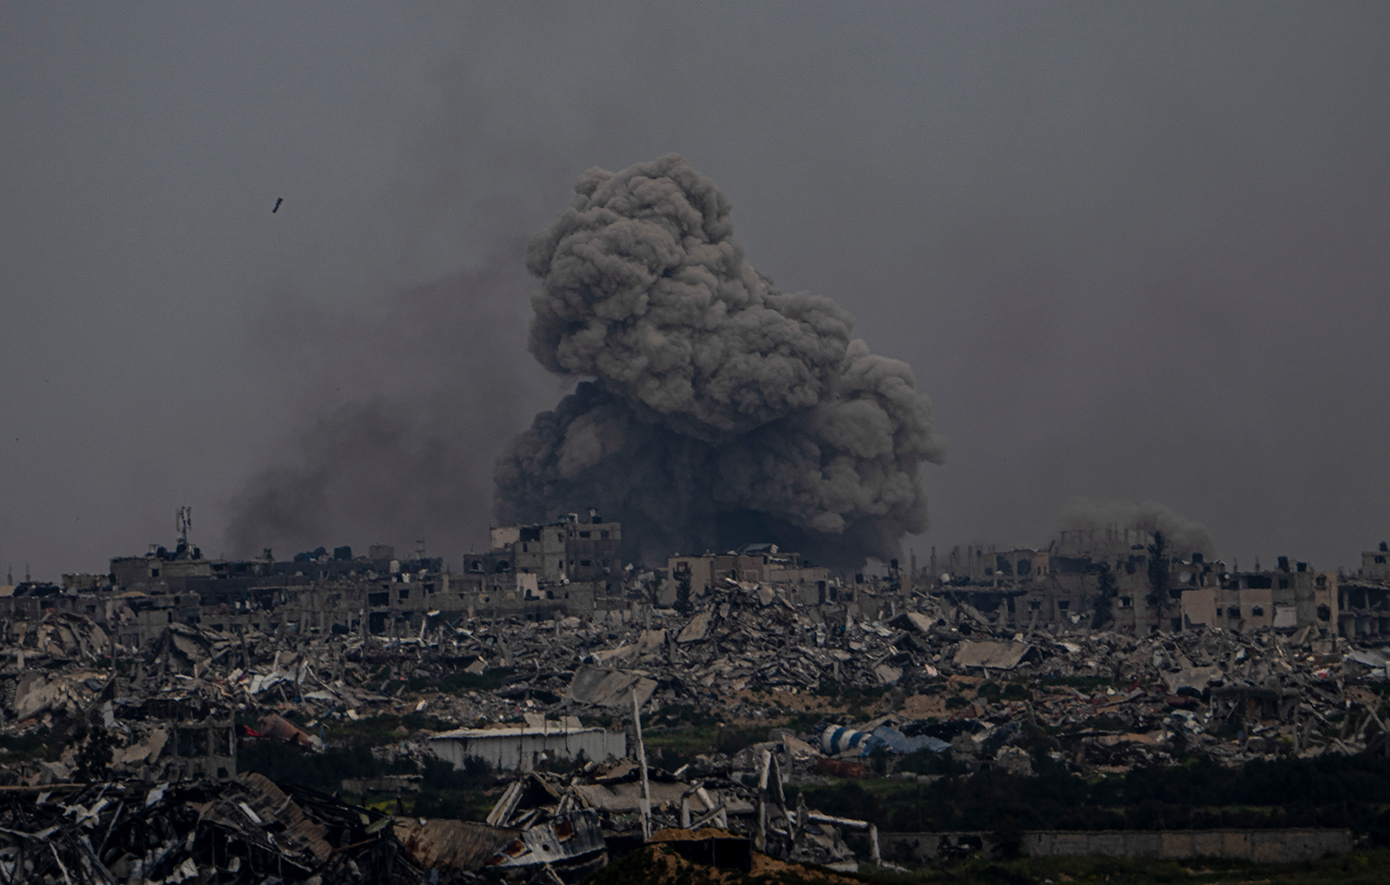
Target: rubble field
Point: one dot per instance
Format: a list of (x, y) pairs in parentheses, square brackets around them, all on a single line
[(506, 747)]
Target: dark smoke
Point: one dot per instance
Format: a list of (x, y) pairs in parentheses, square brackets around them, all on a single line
[(720, 409), (1184, 536), (407, 399)]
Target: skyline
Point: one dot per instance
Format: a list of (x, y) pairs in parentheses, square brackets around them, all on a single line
[(1129, 253)]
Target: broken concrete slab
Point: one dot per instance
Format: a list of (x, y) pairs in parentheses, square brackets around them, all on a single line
[(992, 655), (697, 629), (603, 687)]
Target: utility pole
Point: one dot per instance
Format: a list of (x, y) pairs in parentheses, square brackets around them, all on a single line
[(646, 801)]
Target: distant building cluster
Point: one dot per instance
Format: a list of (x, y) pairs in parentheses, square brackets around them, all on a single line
[(1129, 581), (1122, 579)]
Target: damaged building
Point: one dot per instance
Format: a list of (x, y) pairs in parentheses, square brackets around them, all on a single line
[(179, 678), (1116, 578), (756, 564), (568, 567)]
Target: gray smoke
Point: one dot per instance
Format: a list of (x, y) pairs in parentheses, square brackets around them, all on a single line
[(719, 409), (1184, 535), (405, 400)]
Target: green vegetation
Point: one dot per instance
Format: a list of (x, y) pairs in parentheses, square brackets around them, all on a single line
[(467, 794), (927, 762), (376, 730), (683, 594), (677, 715), (462, 681), (288, 764), (39, 744), (1332, 791), (1007, 691), (671, 748), (1359, 868), (678, 733), (659, 866), (856, 699)]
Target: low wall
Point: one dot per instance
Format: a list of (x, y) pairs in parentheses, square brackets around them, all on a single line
[(1266, 846)]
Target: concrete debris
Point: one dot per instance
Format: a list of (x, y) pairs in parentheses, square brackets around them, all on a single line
[(246, 829), (599, 806), (697, 629), (609, 688), (144, 708), (451, 846), (986, 655)]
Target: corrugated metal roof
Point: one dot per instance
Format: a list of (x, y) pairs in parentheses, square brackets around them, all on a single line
[(524, 731)]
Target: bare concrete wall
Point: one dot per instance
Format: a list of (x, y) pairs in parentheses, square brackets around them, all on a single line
[(1268, 846), (1272, 846)]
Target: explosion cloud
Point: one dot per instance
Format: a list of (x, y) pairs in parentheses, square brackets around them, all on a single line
[(716, 407)]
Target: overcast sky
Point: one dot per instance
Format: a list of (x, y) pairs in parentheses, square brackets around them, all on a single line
[(1132, 251)]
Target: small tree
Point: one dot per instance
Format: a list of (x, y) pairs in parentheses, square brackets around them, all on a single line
[(1158, 566), (93, 759), (683, 594), (1105, 591)]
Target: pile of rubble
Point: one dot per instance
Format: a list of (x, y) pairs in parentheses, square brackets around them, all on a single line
[(247, 829), (874, 681), (746, 654)]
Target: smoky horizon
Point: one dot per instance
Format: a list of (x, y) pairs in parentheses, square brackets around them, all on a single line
[(274, 264)]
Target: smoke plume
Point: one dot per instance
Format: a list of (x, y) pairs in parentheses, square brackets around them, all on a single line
[(1184, 536), (405, 400), (716, 407)]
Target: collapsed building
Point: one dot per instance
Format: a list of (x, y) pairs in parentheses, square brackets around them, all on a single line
[(753, 563), (571, 567), (166, 655), (1121, 579), (944, 678)]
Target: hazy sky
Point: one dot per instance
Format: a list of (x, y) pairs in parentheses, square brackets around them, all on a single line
[(1132, 251)]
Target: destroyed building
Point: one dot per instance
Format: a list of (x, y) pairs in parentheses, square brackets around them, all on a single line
[(1114, 577), (1076, 573), (752, 563), (568, 567), (1361, 605), (881, 679)]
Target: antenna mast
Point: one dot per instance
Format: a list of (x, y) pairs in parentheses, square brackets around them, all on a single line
[(183, 521)]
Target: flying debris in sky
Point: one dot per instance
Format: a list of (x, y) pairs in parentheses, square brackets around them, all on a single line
[(716, 408), (278, 201)]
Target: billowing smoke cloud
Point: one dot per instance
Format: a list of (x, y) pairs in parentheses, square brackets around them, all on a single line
[(719, 409), (1185, 536)]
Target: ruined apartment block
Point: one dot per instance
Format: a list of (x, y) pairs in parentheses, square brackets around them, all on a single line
[(1063, 584), (572, 568), (569, 567), (753, 564)]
